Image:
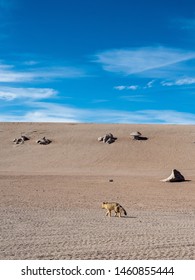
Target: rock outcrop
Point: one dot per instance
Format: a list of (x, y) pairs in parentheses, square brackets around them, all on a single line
[(107, 138), (136, 135), (21, 139), (175, 176), (43, 141)]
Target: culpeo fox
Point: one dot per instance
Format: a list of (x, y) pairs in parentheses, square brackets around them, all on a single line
[(115, 206)]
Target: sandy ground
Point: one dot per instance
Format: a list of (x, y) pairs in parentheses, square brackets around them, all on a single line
[(50, 196)]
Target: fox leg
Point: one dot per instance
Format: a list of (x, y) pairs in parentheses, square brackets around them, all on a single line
[(118, 214), (108, 213), (117, 211)]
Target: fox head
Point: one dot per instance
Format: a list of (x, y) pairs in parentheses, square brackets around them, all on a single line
[(103, 203)]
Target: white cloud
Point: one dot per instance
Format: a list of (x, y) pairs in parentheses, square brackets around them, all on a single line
[(44, 116), (9, 74), (185, 81), (135, 87), (151, 61), (120, 87), (179, 82), (168, 117), (167, 84), (150, 84), (132, 87), (37, 116), (11, 93), (46, 112), (149, 117)]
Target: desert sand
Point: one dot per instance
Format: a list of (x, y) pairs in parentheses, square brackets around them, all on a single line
[(51, 195)]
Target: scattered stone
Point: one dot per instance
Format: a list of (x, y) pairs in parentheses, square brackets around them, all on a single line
[(43, 141), (107, 138), (18, 141), (175, 176), (110, 141), (100, 139), (136, 135), (25, 138), (21, 139)]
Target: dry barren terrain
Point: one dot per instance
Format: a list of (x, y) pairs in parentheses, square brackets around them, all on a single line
[(50, 196)]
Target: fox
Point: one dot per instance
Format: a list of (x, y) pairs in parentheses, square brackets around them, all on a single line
[(115, 206)]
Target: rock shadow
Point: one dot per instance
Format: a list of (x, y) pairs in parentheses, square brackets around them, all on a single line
[(141, 138)]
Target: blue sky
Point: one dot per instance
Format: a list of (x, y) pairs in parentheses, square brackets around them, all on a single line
[(102, 61)]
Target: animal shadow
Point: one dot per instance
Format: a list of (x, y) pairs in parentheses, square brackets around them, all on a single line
[(142, 138), (129, 217)]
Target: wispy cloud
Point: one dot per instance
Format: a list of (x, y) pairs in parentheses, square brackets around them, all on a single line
[(150, 84), (120, 87), (179, 82), (38, 116), (8, 73), (167, 117), (135, 98), (135, 87), (11, 93), (148, 61), (47, 112), (51, 115), (132, 87)]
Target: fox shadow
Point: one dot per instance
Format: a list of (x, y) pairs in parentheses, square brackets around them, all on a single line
[(128, 217)]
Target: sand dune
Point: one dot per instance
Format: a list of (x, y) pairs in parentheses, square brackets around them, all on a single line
[(50, 203)]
